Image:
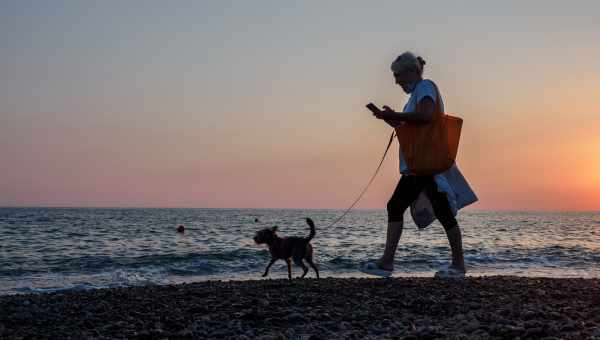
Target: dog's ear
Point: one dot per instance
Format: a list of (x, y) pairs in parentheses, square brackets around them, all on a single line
[(274, 229)]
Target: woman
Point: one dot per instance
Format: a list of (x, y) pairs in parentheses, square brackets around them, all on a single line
[(443, 194)]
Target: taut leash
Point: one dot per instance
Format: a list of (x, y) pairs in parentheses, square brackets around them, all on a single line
[(368, 184)]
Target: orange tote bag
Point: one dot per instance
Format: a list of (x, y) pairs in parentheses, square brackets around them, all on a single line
[(430, 148)]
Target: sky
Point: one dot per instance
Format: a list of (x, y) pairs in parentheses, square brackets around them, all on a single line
[(260, 104)]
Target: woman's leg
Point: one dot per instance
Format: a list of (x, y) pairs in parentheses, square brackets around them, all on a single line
[(406, 192), (444, 214)]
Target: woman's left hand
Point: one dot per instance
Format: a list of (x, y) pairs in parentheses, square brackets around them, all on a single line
[(385, 113)]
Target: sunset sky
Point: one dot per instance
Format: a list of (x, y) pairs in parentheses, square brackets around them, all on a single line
[(260, 104)]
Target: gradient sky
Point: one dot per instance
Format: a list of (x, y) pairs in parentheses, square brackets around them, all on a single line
[(261, 103)]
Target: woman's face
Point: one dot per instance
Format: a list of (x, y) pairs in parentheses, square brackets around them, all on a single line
[(407, 80)]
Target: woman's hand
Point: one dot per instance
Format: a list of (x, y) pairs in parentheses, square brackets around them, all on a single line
[(389, 116), (385, 114)]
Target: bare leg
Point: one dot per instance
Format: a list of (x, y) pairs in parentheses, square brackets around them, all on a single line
[(455, 240), (394, 231), (269, 266), (406, 192), (445, 215)]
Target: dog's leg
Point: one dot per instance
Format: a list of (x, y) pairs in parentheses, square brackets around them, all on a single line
[(305, 268), (298, 262), (269, 266), (289, 265), (309, 258), (312, 264)]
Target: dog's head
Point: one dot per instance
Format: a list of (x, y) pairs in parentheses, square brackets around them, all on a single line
[(266, 235)]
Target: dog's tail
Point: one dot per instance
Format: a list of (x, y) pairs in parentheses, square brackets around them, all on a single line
[(311, 224)]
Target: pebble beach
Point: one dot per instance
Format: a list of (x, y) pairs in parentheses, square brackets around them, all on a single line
[(328, 308)]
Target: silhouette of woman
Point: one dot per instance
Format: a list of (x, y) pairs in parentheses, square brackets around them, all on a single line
[(434, 196)]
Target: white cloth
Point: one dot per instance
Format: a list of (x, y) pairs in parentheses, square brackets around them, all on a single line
[(457, 190), (451, 182)]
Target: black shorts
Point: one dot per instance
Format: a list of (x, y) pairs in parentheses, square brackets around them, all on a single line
[(408, 190)]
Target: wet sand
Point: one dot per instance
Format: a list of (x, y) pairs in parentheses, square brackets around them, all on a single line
[(402, 308)]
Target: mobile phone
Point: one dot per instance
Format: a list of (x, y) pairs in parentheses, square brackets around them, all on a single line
[(373, 108)]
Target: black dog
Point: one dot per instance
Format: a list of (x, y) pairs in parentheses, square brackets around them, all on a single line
[(287, 248)]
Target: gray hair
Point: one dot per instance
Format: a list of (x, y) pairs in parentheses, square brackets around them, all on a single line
[(407, 61)]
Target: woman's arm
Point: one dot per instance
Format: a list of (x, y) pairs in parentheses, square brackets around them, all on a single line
[(422, 114), (393, 122)]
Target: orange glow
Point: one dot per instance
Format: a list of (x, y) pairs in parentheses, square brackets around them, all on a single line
[(233, 107)]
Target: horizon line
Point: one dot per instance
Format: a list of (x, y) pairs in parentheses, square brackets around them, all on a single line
[(272, 208)]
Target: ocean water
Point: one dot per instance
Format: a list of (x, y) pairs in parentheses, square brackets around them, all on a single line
[(55, 249)]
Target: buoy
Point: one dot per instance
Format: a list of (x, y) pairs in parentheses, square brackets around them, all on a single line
[(181, 228)]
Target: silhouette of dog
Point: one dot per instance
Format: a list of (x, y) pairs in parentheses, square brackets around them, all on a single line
[(288, 248)]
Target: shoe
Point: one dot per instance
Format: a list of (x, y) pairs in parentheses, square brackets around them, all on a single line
[(450, 272), (372, 268)]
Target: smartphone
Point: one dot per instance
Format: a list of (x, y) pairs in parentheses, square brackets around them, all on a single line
[(373, 108)]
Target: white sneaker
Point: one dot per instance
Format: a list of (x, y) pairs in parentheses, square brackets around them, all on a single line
[(372, 268), (450, 272)]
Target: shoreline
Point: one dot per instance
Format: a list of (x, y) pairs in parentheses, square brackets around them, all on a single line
[(409, 307), (77, 284)]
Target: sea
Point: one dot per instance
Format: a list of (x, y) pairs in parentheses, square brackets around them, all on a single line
[(65, 249)]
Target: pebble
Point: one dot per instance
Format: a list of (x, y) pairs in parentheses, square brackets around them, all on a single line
[(568, 327), (331, 326), (528, 315), (535, 332), (296, 318), (504, 322), (472, 326), (481, 333)]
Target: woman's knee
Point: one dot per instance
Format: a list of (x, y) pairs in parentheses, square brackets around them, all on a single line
[(444, 214), (395, 210), (447, 220), (441, 207), (390, 205)]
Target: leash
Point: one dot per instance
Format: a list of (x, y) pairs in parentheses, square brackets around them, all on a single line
[(368, 184)]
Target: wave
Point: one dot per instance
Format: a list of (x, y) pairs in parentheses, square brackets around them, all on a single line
[(190, 263), (248, 259)]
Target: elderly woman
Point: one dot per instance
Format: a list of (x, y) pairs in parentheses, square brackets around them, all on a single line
[(438, 195)]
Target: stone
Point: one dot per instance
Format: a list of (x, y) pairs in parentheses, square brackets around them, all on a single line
[(296, 318), (537, 332)]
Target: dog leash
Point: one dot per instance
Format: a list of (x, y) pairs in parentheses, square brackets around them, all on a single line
[(368, 184)]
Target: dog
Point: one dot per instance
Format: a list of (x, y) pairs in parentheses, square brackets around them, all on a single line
[(288, 248)]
